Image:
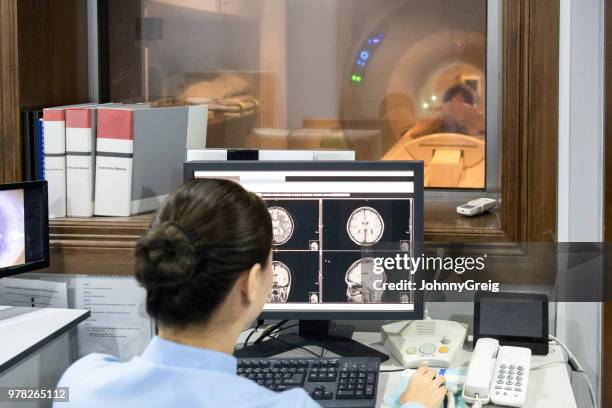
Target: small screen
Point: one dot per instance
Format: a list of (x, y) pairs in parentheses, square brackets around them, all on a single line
[(516, 318), (24, 238), (12, 228)]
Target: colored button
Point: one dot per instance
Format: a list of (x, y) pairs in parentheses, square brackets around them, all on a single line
[(443, 349), (411, 350), (427, 348)]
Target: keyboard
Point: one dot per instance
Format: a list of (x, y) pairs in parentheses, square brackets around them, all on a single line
[(333, 382)]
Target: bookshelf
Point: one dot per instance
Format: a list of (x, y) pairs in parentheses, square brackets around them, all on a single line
[(97, 245)]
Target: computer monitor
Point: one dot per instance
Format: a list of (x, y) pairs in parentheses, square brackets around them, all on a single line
[(24, 227), (330, 221)]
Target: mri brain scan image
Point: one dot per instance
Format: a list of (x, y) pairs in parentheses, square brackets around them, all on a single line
[(12, 228), (282, 225), (281, 283), (365, 226), (360, 278)]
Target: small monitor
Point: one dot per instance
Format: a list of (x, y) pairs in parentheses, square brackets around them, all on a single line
[(24, 227), (515, 319), (330, 220)]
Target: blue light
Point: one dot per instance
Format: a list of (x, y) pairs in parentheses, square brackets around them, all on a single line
[(364, 55), (361, 63)]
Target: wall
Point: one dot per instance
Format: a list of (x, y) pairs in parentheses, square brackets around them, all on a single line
[(580, 178)]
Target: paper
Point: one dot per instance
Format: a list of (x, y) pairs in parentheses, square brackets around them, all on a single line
[(33, 293), (118, 324), (454, 382)]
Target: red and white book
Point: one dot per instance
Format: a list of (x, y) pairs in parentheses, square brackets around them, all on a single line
[(80, 160), (54, 140), (140, 151)]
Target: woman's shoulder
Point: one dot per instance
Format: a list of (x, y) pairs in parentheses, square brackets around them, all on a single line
[(85, 365)]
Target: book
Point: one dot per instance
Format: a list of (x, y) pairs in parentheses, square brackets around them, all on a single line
[(32, 158), (140, 151), (54, 139), (39, 146), (28, 135), (80, 160)]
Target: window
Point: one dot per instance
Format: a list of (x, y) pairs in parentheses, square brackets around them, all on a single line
[(391, 79)]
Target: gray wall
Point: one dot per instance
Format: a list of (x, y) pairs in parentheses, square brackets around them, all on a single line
[(580, 180)]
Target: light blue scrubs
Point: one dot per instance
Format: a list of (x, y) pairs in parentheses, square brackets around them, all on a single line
[(171, 375)]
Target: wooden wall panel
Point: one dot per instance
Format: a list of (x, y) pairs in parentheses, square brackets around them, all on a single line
[(10, 144), (52, 52), (43, 51), (541, 121)]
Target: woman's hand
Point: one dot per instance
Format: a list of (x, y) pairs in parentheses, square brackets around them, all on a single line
[(425, 388)]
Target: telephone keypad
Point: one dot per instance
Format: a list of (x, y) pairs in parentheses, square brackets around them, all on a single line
[(512, 371)]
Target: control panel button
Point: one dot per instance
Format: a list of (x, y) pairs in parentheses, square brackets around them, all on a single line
[(445, 340), (427, 348), (443, 349), (411, 350)]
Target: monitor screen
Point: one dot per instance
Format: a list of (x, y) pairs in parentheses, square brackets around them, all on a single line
[(24, 239), (515, 319), (330, 221), (511, 315)]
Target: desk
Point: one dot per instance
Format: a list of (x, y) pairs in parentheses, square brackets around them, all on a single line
[(35, 347), (549, 386)]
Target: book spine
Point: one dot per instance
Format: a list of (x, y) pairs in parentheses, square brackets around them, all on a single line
[(28, 133), (80, 140), (114, 161), (55, 160), (39, 146)]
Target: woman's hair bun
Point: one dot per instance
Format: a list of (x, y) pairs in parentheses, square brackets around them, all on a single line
[(165, 257)]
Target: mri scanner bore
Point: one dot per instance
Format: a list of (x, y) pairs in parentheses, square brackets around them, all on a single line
[(12, 228)]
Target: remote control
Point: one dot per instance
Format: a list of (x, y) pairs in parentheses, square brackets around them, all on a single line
[(511, 376), (475, 207)]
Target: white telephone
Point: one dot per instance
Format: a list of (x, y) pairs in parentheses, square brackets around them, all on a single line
[(497, 374)]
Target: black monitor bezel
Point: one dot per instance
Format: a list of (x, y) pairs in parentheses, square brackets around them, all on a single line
[(190, 168), (538, 344), (43, 263)]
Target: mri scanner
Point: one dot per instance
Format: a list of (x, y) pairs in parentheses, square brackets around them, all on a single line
[(411, 58)]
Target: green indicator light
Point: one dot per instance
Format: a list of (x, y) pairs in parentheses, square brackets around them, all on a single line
[(356, 78)]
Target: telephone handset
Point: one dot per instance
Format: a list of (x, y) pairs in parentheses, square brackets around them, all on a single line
[(497, 374)]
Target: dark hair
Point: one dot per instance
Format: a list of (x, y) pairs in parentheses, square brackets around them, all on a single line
[(460, 89), (204, 236)]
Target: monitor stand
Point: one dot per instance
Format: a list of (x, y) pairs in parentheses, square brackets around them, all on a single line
[(311, 333)]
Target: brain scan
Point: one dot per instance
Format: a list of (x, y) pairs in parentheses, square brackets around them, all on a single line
[(281, 283), (12, 228), (365, 226), (360, 278), (282, 225)]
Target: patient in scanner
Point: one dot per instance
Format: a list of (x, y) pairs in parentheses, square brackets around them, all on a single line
[(455, 148), (456, 115)]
